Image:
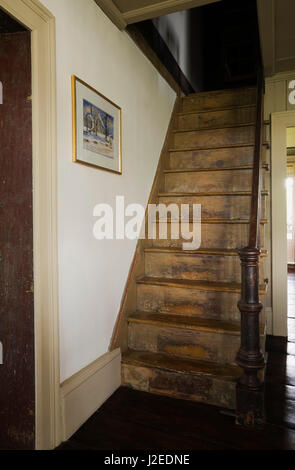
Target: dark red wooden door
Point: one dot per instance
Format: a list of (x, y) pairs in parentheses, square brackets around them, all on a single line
[(17, 374)]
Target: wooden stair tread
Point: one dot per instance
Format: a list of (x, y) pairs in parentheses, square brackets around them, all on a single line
[(218, 127), (221, 92), (213, 193), (214, 128), (228, 146), (185, 322), (214, 110), (216, 193), (200, 251), (214, 221), (212, 169), (196, 284), (180, 365)]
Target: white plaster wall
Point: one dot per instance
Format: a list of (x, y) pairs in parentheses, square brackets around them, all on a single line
[(276, 101), (92, 274)]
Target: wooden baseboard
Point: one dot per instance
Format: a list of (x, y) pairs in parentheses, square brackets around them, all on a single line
[(83, 393)]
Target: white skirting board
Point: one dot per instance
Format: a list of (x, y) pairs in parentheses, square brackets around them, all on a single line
[(269, 320), (84, 392)]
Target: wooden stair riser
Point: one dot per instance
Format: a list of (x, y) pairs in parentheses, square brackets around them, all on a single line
[(213, 158), (215, 100), (214, 137), (195, 267), (186, 386), (223, 236), (194, 302), (216, 207), (208, 181), (203, 345), (225, 117)]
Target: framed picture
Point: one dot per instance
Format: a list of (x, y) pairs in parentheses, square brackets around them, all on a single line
[(96, 128)]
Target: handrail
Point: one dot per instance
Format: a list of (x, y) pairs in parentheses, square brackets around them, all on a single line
[(257, 168), (250, 388)]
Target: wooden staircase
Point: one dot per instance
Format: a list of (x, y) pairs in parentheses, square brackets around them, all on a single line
[(184, 336)]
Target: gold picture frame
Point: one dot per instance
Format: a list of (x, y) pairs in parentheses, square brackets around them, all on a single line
[(97, 128)]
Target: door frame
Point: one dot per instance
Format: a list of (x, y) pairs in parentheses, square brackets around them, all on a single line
[(279, 123), (33, 15)]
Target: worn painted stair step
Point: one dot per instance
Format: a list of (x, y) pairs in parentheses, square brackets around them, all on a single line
[(213, 235), (216, 127), (213, 158), (265, 166), (185, 322), (264, 192), (183, 378), (222, 206), (202, 285), (194, 266), (185, 336), (211, 118), (235, 221), (217, 110), (218, 147), (213, 137), (212, 251), (218, 305), (207, 181), (219, 99), (195, 338)]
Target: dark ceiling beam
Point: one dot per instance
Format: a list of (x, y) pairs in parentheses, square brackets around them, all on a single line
[(164, 7), (266, 20)]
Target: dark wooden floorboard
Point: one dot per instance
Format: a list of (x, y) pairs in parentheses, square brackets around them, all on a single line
[(132, 420)]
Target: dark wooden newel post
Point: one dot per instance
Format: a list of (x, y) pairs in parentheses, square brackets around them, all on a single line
[(250, 389)]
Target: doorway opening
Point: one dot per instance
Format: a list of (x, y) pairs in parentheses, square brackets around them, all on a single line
[(17, 370)]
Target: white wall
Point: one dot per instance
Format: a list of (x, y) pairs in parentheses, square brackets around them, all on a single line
[(276, 101), (92, 274)]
